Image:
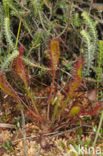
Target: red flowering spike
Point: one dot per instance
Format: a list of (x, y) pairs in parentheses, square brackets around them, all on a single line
[(5, 86), (54, 50), (19, 67)]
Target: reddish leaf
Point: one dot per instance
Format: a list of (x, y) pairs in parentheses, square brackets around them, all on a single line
[(77, 78), (80, 111), (5, 86), (92, 111), (19, 67), (31, 114), (78, 68), (75, 83)]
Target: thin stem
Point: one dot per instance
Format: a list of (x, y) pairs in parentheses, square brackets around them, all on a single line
[(34, 105), (69, 20), (32, 100), (50, 96), (9, 50), (99, 127), (18, 34), (65, 103), (9, 19), (55, 113), (24, 131)]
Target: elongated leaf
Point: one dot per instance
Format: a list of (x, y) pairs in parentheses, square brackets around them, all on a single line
[(92, 111), (4, 86), (75, 83), (19, 67), (77, 78)]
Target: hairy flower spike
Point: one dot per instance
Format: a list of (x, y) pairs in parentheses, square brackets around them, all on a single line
[(8, 59), (19, 67), (54, 53)]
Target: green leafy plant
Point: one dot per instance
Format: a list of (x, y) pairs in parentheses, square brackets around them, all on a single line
[(7, 145), (90, 43), (8, 59), (7, 32), (76, 20), (1, 22), (6, 4), (99, 70)]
